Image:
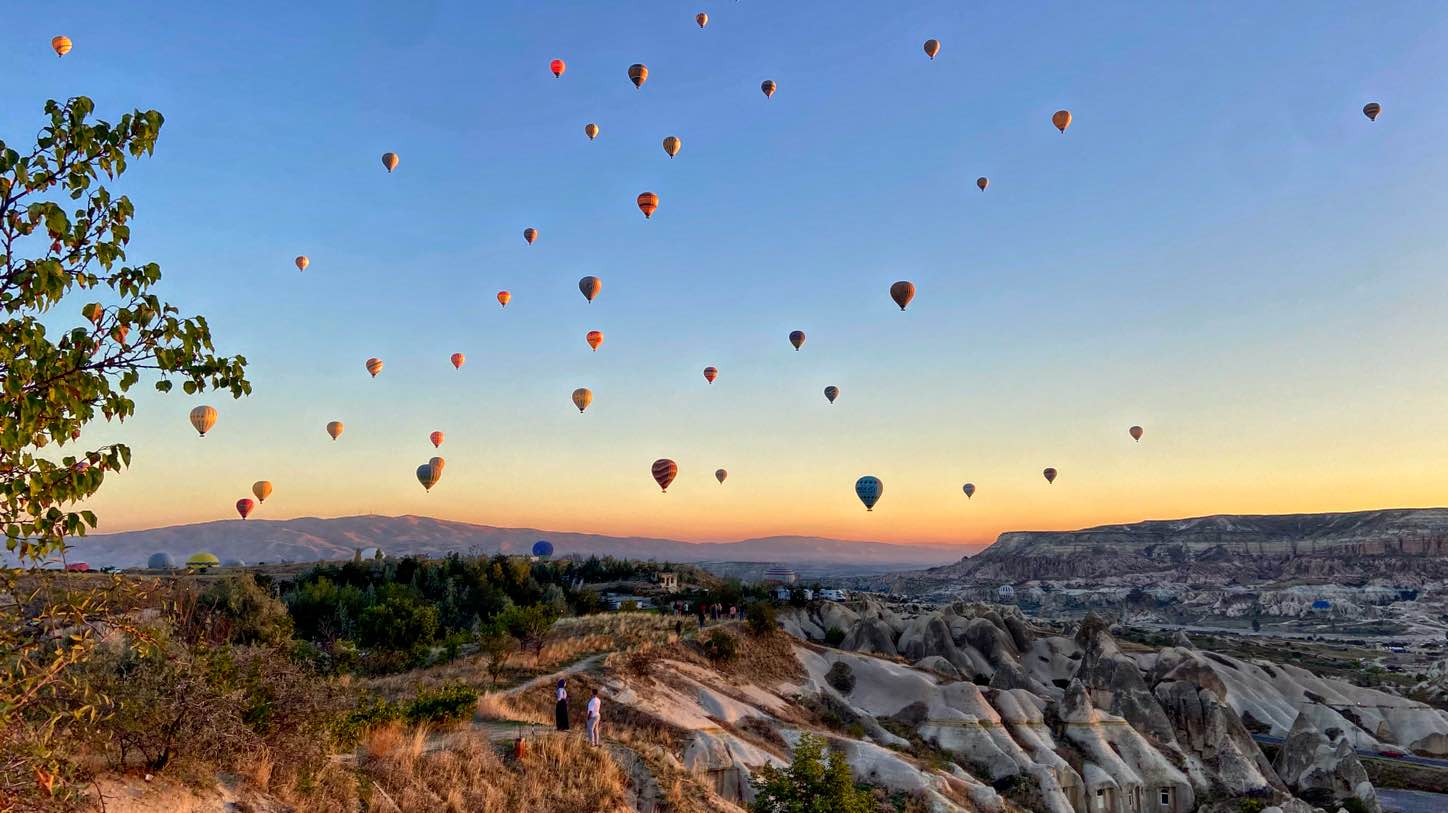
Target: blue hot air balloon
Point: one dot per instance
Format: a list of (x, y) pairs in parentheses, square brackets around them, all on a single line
[(543, 549), (869, 490)]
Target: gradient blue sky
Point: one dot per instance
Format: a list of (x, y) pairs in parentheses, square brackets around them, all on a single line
[(1222, 248)]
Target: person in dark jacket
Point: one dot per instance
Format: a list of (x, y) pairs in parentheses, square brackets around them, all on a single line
[(561, 710)]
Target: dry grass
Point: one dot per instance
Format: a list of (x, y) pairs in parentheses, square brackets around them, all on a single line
[(505, 708), (559, 773)]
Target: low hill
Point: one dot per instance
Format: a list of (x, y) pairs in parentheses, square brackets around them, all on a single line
[(314, 539)]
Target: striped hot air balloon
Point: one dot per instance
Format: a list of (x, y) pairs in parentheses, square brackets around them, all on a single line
[(203, 418), (262, 489), (374, 366), (428, 475), (590, 286), (902, 292), (869, 489), (582, 397), (61, 45), (591, 130), (504, 298), (768, 87), (648, 202), (1062, 119), (1371, 110), (664, 471), (245, 507), (638, 74), (334, 428), (389, 160), (437, 463), (436, 438), (557, 66), (530, 234), (672, 144), (711, 373), (458, 360), (594, 339), (796, 338)]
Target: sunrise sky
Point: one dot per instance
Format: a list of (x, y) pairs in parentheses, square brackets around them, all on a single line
[(1222, 248)]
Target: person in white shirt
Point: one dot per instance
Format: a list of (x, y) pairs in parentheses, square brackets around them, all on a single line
[(593, 719)]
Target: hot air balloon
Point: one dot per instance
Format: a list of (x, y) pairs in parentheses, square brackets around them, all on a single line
[(768, 87), (711, 373), (664, 471), (334, 428), (932, 47), (203, 418), (504, 298), (389, 160), (1062, 119), (558, 67), (61, 45), (969, 489), (436, 438), (1371, 110), (702, 19), (530, 234), (594, 339), (902, 292), (1136, 432), (869, 490), (542, 549), (458, 360), (648, 202), (1050, 475), (796, 338), (831, 393), (721, 475), (244, 507), (638, 74), (672, 145), (582, 397), (374, 366), (428, 475), (590, 286), (982, 182), (437, 464), (591, 130), (302, 262), (262, 489)]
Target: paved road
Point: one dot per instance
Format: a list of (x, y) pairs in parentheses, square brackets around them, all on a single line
[(1371, 754), (1412, 801)]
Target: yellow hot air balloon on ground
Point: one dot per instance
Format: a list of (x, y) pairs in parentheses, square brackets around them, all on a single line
[(302, 262), (61, 45), (262, 489), (932, 47), (672, 145), (591, 130), (389, 160), (1062, 119), (334, 428), (374, 366), (582, 397), (203, 418)]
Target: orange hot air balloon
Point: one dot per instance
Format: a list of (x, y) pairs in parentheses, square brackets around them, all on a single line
[(262, 489), (831, 393), (796, 338), (982, 182), (302, 262), (591, 130), (458, 359), (594, 339), (389, 160), (334, 428), (244, 507), (436, 438), (504, 298), (590, 286), (672, 145), (437, 464), (1050, 475), (648, 202), (530, 234), (932, 47), (711, 373), (638, 74), (664, 471), (203, 418), (1062, 119), (374, 366), (61, 45), (1371, 110), (768, 87), (1136, 432), (558, 67), (902, 292), (582, 397), (702, 19)]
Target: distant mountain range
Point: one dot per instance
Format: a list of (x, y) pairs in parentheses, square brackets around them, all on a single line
[(308, 539)]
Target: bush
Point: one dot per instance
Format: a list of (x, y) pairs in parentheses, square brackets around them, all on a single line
[(834, 636), (761, 618), (350, 727), (721, 647), (443, 704), (842, 677), (1353, 804), (810, 783)]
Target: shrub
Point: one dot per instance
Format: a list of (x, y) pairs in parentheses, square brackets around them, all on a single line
[(834, 636), (349, 729), (238, 610), (761, 618), (1251, 806), (1353, 804), (810, 783), (842, 677), (720, 646), (443, 704)]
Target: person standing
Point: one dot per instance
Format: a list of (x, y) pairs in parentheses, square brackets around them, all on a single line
[(561, 709), (593, 719)]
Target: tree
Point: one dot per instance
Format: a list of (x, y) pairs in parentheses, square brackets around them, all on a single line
[(495, 645), (529, 625), (810, 784), (56, 379)]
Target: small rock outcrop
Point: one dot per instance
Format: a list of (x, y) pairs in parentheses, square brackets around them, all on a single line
[(1311, 760), (1115, 682)]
